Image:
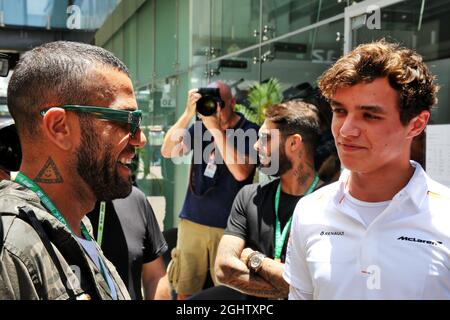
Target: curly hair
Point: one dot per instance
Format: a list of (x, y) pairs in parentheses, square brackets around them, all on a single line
[(404, 68)]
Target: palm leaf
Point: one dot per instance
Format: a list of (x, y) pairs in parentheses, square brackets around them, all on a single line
[(260, 97)]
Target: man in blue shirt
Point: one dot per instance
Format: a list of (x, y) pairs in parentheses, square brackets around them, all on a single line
[(221, 166)]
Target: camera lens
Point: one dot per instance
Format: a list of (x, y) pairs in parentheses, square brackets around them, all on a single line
[(206, 106)]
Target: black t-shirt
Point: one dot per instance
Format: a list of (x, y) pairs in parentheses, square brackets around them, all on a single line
[(131, 237), (252, 216)]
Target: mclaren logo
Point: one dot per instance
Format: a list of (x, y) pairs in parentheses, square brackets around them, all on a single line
[(432, 242)]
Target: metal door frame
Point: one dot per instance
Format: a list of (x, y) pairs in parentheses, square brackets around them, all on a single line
[(357, 10)]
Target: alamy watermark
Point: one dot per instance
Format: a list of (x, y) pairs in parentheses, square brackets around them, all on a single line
[(202, 145), (74, 19), (373, 281), (74, 277), (373, 17)]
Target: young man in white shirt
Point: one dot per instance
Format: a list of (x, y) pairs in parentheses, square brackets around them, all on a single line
[(383, 230)]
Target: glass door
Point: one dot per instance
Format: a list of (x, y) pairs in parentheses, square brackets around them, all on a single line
[(418, 24)]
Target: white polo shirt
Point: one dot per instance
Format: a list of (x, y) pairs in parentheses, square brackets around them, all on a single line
[(404, 253)]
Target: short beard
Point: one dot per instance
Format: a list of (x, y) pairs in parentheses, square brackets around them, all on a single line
[(97, 166), (284, 164)]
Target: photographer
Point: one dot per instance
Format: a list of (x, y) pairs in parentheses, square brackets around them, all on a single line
[(220, 168)]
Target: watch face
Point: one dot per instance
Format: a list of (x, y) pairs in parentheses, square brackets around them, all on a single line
[(255, 261)]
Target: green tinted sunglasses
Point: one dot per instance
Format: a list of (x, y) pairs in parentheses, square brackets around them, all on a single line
[(133, 118)]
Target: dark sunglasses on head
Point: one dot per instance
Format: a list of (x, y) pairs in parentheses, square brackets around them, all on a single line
[(133, 118)]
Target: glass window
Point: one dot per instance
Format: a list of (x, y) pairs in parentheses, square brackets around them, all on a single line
[(56, 14), (221, 27), (302, 58), (283, 16), (155, 175), (165, 50), (421, 25)]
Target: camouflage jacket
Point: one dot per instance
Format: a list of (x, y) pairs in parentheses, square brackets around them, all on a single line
[(27, 270)]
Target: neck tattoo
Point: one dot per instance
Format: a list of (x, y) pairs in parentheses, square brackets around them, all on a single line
[(49, 173)]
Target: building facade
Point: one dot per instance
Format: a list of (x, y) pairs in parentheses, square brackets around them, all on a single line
[(174, 45)]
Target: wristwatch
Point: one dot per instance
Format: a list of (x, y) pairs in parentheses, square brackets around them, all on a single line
[(255, 260)]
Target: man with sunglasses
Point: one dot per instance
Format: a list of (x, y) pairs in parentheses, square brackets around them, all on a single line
[(78, 123), (251, 254)]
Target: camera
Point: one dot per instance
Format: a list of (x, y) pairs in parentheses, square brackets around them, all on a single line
[(7, 62), (10, 151), (207, 104)]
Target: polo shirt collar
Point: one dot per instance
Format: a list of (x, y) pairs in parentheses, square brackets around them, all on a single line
[(416, 189)]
